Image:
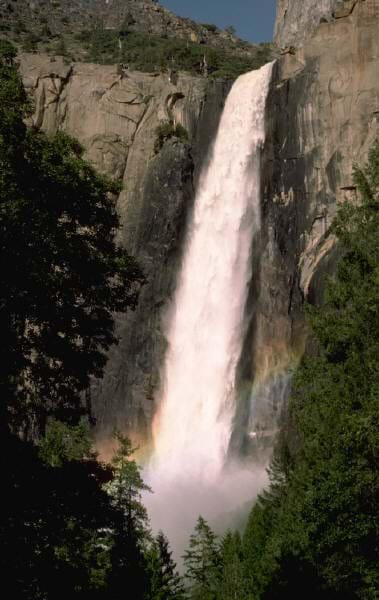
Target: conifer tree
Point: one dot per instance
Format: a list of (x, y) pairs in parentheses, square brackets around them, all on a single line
[(130, 532), (202, 562), (165, 581), (232, 585)]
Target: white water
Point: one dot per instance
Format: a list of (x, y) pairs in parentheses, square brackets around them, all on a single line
[(205, 327)]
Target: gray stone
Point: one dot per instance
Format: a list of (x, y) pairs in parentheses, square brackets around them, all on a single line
[(296, 20), (323, 115)]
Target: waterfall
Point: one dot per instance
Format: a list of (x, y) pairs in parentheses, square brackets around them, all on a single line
[(205, 325)]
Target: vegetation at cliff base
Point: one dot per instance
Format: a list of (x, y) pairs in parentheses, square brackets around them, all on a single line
[(63, 534)]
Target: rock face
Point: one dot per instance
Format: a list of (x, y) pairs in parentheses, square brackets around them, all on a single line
[(115, 117), (324, 116), (295, 20)]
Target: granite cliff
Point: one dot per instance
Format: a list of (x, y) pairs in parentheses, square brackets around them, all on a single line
[(323, 112), (296, 21)]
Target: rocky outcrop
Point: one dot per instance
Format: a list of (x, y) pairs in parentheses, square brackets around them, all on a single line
[(296, 21), (51, 18), (115, 116)]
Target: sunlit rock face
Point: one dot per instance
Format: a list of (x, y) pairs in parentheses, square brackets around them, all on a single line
[(296, 20)]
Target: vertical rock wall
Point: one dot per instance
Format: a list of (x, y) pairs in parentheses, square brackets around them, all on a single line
[(324, 117), (297, 19)]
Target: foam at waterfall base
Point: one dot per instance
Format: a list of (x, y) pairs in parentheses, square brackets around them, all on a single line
[(177, 501)]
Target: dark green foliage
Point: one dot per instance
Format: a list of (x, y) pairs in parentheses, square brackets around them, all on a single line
[(46, 32), (165, 581), (103, 46), (30, 42), (166, 131), (60, 47), (62, 532), (62, 276), (7, 52), (19, 27), (202, 563), (130, 532), (72, 527), (51, 525), (63, 443), (210, 27), (316, 530), (232, 584)]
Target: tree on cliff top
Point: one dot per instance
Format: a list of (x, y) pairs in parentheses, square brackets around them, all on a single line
[(62, 276)]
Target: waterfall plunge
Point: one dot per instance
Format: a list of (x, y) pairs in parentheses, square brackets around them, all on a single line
[(206, 328)]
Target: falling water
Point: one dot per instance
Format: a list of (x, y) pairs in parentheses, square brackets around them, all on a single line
[(206, 325)]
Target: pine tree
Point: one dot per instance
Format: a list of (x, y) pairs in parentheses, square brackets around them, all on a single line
[(232, 583), (130, 532), (202, 562), (165, 581)]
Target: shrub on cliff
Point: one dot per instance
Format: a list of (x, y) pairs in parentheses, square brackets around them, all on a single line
[(167, 131)]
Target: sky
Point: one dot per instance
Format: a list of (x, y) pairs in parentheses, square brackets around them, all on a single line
[(253, 19)]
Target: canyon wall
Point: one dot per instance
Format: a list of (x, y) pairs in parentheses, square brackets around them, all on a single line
[(324, 116), (322, 112)]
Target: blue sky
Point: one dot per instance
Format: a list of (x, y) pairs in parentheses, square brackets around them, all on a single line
[(253, 19)]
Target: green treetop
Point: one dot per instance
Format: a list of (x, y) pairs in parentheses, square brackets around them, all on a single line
[(130, 533), (166, 584), (202, 562)]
